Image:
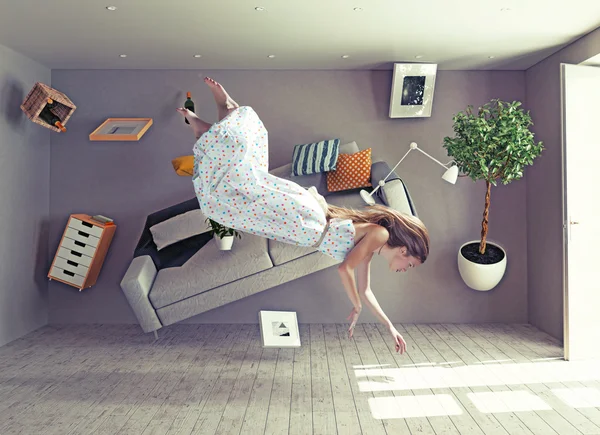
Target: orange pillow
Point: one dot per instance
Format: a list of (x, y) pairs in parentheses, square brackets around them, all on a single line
[(184, 165), (352, 171)]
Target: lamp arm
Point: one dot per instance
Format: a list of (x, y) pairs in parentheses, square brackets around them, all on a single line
[(386, 177), (394, 168), (413, 146), (434, 159)]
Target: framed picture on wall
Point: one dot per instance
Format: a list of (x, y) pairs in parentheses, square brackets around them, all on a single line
[(279, 329), (121, 129), (413, 85)]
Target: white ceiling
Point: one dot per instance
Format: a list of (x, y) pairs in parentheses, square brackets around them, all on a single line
[(308, 34)]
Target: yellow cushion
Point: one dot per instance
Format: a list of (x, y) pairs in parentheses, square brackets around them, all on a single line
[(184, 165), (352, 171)]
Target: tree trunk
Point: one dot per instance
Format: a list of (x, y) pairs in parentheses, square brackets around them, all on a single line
[(484, 223)]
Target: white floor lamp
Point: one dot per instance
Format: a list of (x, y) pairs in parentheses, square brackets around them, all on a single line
[(450, 175)]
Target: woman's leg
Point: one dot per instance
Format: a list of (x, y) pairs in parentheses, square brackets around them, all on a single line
[(200, 127), (225, 103)]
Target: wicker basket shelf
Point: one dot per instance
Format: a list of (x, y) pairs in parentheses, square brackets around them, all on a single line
[(36, 100)]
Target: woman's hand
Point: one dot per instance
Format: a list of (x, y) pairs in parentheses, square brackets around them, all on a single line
[(398, 340), (354, 316)]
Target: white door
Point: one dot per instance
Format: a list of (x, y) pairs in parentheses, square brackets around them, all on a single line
[(581, 210)]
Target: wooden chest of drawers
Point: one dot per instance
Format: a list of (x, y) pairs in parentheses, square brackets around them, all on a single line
[(80, 255)]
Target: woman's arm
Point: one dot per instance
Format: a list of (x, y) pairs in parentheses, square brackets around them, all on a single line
[(363, 249), (363, 272)]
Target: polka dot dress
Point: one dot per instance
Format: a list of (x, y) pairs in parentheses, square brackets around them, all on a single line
[(233, 187)]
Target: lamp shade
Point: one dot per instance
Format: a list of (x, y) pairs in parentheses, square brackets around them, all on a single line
[(367, 197), (451, 174)]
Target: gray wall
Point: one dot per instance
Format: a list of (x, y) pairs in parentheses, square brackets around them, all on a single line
[(24, 196), (129, 180), (544, 187)]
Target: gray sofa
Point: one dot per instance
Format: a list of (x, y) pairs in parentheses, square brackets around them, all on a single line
[(194, 276)]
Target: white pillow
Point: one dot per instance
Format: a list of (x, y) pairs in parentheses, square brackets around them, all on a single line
[(178, 228), (349, 148)]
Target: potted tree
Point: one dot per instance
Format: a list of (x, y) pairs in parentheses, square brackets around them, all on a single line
[(494, 145), (223, 235)]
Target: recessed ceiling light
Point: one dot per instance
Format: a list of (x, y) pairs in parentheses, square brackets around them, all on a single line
[(271, 56), (111, 8), (259, 8), (122, 55), (197, 55), (418, 56), (345, 56), (358, 9), (491, 57)]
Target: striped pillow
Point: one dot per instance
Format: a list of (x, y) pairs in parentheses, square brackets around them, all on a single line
[(315, 157)]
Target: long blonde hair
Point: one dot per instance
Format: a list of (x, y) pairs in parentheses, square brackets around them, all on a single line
[(405, 230)]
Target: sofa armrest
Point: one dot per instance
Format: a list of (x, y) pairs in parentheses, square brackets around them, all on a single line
[(136, 284), (394, 193)]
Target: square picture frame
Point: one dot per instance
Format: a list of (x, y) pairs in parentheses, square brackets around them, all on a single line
[(413, 86), (279, 329), (121, 129)]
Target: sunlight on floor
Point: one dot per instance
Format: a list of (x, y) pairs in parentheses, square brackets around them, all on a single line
[(585, 397), (507, 401), (431, 405), (422, 405), (381, 378), (413, 378)]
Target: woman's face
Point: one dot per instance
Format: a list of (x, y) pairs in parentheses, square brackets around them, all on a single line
[(401, 262)]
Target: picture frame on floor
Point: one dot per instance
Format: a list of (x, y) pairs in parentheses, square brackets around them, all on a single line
[(413, 86), (279, 329)]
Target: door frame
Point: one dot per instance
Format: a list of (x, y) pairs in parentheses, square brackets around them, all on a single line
[(565, 219)]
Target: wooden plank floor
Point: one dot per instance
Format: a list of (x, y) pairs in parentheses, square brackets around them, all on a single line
[(217, 379)]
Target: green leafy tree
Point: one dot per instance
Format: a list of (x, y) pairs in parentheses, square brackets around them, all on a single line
[(221, 230), (493, 145)]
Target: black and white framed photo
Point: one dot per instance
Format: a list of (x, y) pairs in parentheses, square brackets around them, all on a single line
[(413, 85), (279, 329)]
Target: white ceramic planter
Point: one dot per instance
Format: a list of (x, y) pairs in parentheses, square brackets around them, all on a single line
[(225, 243), (481, 277)]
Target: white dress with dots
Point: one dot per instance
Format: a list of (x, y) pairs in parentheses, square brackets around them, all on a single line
[(234, 188)]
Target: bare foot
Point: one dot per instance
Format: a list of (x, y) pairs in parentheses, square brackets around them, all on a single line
[(200, 127), (225, 103)]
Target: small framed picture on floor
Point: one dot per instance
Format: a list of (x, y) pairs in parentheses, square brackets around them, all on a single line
[(279, 328)]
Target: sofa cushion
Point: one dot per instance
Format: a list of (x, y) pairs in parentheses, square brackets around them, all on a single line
[(210, 268), (180, 227), (284, 171), (283, 252), (349, 198)]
